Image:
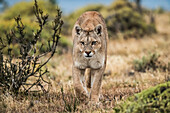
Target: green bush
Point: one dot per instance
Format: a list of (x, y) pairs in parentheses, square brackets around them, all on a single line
[(121, 16), (147, 62), (119, 4), (15, 47), (25, 9), (159, 10), (127, 20), (152, 100), (64, 42), (64, 45)]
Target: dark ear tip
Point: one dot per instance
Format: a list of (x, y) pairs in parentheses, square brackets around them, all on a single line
[(78, 29), (98, 29), (99, 26)]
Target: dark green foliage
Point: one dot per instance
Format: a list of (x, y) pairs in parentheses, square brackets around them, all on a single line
[(159, 10), (152, 100), (146, 63), (52, 1), (127, 20), (15, 71), (27, 11), (150, 62), (119, 4)]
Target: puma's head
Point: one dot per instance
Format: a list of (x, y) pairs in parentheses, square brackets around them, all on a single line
[(89, 42)]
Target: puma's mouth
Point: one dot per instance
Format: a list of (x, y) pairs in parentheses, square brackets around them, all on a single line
[(88, 56)]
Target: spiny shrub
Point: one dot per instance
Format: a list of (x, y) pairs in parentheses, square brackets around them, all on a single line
[(16, 71)]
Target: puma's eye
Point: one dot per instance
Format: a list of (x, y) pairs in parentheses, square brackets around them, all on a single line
[(82, 43), (94, 42)]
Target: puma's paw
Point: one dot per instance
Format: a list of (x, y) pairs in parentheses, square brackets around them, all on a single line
[(94, 104), (83, 96), (101, 97)]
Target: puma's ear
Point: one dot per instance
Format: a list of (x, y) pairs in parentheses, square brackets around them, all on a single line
[(98, 29), (78, 29)]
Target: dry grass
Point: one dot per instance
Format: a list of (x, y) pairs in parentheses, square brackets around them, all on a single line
[(122, 82)]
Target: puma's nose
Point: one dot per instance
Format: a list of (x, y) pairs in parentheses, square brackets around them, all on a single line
[(88, 52)]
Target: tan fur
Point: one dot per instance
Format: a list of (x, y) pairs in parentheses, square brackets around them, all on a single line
[(89, 52)]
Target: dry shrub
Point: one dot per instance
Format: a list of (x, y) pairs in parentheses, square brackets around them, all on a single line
[(150, 62), (15, 72)]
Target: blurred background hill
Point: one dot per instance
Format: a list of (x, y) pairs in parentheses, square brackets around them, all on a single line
[(68, 8), (124, 18)]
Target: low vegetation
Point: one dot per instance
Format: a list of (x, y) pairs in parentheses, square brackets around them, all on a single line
[(150, 62), (155, 99), (146, 63)]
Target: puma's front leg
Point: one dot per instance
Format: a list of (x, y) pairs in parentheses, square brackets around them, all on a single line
[(96, 84), (79, 86), (88, 77)]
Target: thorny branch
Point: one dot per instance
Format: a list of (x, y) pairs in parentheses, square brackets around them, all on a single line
[(14, 74)]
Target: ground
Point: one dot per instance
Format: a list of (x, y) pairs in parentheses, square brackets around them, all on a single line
[(120, 81)]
